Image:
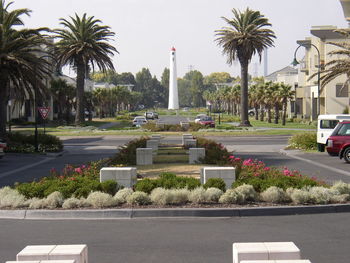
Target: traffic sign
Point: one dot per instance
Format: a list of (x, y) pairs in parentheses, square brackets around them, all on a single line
[(44, 111)]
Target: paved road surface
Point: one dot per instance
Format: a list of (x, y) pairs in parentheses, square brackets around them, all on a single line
[(322, 238)]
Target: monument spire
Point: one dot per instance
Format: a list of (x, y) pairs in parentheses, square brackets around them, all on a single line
[(173, 93)]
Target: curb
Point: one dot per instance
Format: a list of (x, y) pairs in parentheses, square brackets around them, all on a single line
[(172, 212)]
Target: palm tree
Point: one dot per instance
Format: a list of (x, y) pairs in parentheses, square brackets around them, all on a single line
[(23, 61), (286, 94), (83, 43), (245, 36)]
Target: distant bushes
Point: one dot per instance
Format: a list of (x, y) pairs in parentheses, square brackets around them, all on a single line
[(303, 141)]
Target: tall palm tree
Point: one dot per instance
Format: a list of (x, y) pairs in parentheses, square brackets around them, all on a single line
[(286, 93), (246, 35), (83, 43)]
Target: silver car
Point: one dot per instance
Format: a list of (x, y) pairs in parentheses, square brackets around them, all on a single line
[(138, 121)]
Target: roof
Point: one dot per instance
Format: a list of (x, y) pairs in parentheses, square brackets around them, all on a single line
[(284, 71)]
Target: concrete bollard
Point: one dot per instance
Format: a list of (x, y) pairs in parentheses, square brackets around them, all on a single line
[(225, 173), (152, 144), (196, 154), (125, 176), (265, 251), (190, 143), (186, 137), (144, 156)]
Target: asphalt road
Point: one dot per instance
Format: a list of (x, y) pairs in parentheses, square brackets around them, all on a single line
[(80, 150), (321, 238)]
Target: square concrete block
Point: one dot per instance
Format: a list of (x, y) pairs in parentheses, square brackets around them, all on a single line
[(191, 143), (249, 251), (196, 154), (58, 261), (30, 253), (35, 261), (186, 137), (152, 144), (144, 156), (125, 176), (79, 253), (293, 261), (282, 250), (228, 174)]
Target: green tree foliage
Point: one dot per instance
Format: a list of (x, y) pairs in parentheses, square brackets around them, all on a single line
[(83, 43), (245, 35), (23, 58)]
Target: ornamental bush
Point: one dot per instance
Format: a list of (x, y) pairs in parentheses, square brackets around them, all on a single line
[(215, 153), (54, 200), (10, 198), (161, 196), (100, 200), (127, 154), (275, 195), (212, 194), (122, 195), (138, 198)]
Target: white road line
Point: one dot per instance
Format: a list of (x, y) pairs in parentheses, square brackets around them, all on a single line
[(25, 167)]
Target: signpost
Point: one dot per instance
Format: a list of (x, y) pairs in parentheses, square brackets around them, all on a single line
[(44, 112)]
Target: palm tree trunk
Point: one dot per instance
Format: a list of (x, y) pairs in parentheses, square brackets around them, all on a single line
[(284, 113), (261, 113), (79, 116), (269, 114), (277, 113), (3, 108), (256, 112), (244, 94)]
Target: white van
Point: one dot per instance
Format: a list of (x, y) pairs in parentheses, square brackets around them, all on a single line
[(325, 127)]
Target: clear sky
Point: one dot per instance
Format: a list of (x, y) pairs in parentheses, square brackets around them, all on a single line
[(147, 29)]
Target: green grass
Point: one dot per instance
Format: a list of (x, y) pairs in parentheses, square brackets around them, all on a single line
[(290, 125), (183, 158), (171, 151)]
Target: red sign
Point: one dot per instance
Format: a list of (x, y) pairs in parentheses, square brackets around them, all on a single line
[(44, 111)]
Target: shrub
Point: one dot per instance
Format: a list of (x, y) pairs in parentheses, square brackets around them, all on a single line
[(71, 203), (127, 154), (274, 194), (180, 196), (213, 194), (231, 196), (54, 200), (321, 195), (215, 153), (37, 203), (341, 187), (122, 195), (299, 196), (161, 196), (303, 141), (18, 142), (198, 196), (10, 198), (167, 181), (138, 198), (100, 200), (248, 192), (215, 182)]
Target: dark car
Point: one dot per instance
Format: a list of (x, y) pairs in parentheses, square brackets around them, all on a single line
[(339, 141), (207, 121)]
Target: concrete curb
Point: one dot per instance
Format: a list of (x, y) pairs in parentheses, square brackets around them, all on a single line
[(89, 214)]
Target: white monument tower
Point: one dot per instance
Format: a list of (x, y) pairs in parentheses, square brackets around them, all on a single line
[(173, 94)]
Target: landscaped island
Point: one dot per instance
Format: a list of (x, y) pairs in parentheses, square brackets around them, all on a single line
[(254, 183)]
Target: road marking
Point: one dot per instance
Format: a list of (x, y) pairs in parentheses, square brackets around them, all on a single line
[(25, 167), (316, 164)]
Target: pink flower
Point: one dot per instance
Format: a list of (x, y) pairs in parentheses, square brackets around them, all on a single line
[(231, 157), (286, 172), (267, 169), (237, 159), (78, 170), (256, 174), (247, 162)]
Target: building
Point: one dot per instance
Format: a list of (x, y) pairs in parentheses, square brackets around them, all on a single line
[(334, 97)]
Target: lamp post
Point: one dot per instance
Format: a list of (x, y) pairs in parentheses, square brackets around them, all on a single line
[(296, 62)]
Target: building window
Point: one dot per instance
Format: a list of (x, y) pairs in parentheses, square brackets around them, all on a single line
[(299, 106), (292, 106), (341, 90)]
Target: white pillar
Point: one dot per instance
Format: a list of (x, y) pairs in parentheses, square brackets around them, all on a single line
[(173, 94)]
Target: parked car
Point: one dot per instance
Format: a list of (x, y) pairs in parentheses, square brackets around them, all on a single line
[(151, 115), (325, 127), (199, 117), (139, 120), (207, 121), (339, 141), (2, 147)]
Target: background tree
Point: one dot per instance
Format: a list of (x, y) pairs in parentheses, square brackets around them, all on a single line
[(245, 36), (82, 43), (23, 59)]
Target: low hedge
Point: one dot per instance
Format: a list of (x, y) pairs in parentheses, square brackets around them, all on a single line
[(21, 143), (215, 153), (127, 154), (303, 141), (167, 181), (153, 127)]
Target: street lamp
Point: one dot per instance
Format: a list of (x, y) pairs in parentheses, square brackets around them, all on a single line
[(296, 62)]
